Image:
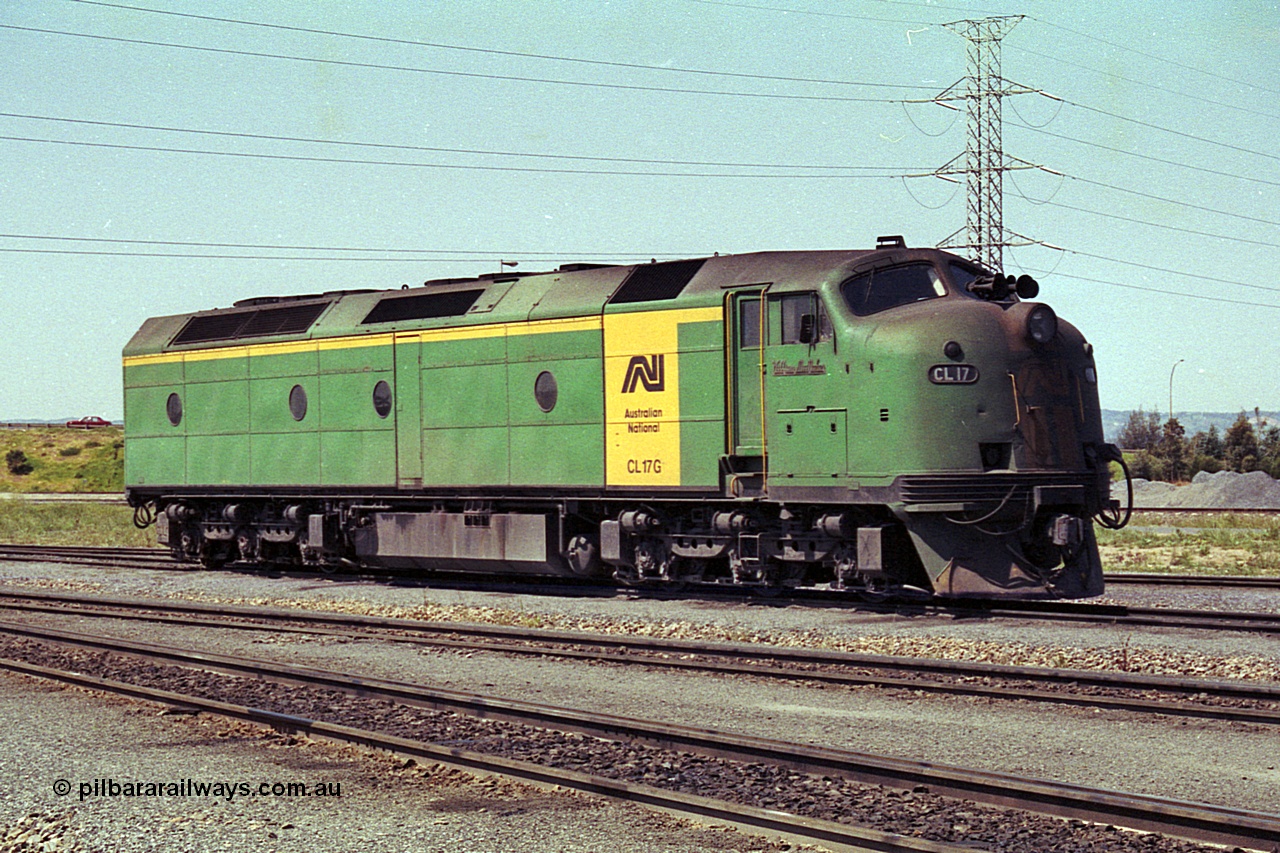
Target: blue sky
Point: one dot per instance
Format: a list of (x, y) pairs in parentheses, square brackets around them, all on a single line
[(550, 132)]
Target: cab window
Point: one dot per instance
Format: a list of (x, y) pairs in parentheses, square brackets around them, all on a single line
[(879, 290), (794, 307)]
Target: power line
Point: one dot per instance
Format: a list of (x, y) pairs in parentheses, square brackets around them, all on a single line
[(1154, 197), (1145, 289), (1271, 244), (1115, 150), (806, 12), (241, 257), (463, 74), (497, 52), (436, 150), (1128, 49), (1153, 268), (453, 166), (1147, 85), (302, 248), (1153, 126)]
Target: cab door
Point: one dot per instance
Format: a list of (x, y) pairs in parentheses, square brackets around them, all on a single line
[(807, 414), (746, 373)]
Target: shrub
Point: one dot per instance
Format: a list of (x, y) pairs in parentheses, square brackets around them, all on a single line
[(17, 462)]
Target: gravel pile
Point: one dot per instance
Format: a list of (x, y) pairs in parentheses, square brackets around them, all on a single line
[(1225, 489), (917, 812)]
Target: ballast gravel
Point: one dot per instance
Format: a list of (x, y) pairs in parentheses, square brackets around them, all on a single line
[(915, 812), (373, 803), (1214, 762)]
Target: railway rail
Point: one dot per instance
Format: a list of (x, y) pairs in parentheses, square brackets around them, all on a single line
[(1212, 581), (1183, 697), (1196, 821), (1067, 611)]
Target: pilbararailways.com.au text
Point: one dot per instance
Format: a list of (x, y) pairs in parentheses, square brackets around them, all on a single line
[(229, 791)]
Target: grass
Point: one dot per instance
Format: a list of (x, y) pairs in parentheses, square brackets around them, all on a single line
[(1204, 543), (65, 460), (70, 461), (93, 524)]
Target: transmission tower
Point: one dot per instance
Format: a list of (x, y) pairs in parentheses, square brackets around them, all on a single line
[(983, 163)]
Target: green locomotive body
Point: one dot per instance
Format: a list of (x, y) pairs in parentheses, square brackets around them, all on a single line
[(873, 419)]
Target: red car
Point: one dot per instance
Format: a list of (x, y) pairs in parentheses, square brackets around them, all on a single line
[(89, 422)]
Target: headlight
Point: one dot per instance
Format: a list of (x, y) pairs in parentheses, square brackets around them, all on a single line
[(1042, 324)]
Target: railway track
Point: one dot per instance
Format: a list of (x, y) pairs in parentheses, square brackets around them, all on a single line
[(1144, 694), (141, 558), (1066, 611), (691, 748), (1211, 581)]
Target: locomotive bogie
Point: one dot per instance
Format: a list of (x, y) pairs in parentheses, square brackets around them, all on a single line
[(871, 420)]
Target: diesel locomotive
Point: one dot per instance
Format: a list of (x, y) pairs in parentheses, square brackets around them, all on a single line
[(875, 420)]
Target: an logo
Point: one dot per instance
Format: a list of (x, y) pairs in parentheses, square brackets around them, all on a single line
[(649, 372)]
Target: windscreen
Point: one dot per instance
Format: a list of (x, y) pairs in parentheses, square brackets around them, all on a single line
[(879, 290)]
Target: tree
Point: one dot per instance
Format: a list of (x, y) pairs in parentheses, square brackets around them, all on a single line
[(1142, 432), (1208, 443), (1269, 451), (1240, 445), (1172, 450)]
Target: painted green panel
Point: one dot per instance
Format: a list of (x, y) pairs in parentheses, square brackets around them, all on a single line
[(490, 349), (702, 391), (216, 369), (701, 444), (356, 359), (808, 443), (283, 459), (579, 391), (217, 408), (358, 458), (702, 336), (162, 373), (269, 405), (217, 460), (557, 455), (554, 345), (346, 401), (283, 364), (408, 413), (146, 414), (465, 457), (470, 396), (155, 461)]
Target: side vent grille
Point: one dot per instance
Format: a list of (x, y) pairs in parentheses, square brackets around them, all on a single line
[(652, 282), (234, 325), (423, 306)]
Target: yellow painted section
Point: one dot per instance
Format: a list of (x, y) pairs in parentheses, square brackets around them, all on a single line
[(489, 330), (642, 395)]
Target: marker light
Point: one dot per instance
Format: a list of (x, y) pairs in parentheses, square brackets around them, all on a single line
[(1042, 324)]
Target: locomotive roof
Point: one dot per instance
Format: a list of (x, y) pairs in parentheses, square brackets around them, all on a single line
[(574, 290)]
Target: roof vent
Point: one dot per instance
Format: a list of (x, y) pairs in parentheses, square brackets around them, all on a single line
[(264, 322), (654, 281), (893, 241)]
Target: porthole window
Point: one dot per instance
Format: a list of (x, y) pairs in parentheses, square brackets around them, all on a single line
[(545, 391), (382, 398), (173, 408), (298, 402)]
